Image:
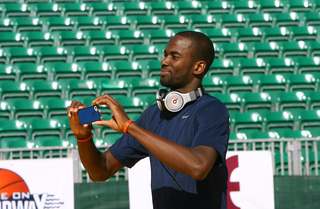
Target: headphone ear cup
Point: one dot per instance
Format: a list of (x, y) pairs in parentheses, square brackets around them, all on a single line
[(161, 94)]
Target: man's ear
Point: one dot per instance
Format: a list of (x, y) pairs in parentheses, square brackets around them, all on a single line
[(200, 67)]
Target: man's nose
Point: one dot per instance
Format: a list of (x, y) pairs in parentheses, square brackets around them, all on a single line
[(164, 62)]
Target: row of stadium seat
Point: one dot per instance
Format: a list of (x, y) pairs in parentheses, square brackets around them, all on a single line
[(44, 54), (247, 122), (71, 88), (70, 7), (20, 24), (269, 36)]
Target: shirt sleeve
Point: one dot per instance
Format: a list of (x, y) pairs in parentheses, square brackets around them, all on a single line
[(213, 128), (128, 150)]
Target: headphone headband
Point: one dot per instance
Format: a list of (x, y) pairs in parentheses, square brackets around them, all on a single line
[(174, 101)]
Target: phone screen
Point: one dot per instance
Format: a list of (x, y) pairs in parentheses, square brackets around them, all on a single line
[(89, 114)]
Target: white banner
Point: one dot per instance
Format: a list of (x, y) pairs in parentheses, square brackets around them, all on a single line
[(250, 182), (36, 184)]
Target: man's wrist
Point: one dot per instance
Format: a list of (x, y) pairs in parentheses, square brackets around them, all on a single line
[(81, 137)]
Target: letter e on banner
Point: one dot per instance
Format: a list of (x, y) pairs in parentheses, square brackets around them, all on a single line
[(232, 163)]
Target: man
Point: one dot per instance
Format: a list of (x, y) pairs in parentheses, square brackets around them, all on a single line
[(188, 145)]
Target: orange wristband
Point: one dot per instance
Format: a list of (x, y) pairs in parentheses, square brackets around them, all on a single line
[(125, 128), (83, 140)]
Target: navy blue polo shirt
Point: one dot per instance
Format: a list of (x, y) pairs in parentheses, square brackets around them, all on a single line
[(201, 122)]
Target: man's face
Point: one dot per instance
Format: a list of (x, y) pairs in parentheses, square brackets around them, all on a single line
[(176, 67)]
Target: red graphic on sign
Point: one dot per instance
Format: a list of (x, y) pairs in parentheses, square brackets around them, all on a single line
[(175, 101), (232, 163)]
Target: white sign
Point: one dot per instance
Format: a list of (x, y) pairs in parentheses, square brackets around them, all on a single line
[(250, 183), (36, 184)]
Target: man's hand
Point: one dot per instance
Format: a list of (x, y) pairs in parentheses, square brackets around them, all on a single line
[(79, 130), (119, 117)]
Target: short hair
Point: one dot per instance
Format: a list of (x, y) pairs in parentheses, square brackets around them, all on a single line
[(201, 47)]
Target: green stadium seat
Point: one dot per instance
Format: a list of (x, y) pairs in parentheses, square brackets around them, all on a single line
[(85, 53), (314, 100), (309, 120), (103, 8), (300, 6), (265, 135), (45, 128), (146, 52), (176, 22), (13, 129), (46, 89), (218, 35), (153, 68), (232, 101), (111, 138), (266, 49), (52, 54), (59, 23), (303, 82), (317, 6), (276, 34), (232, 20), (252, 66), (117, 22), (46, 9), (88, 23), (218, 7), (57, 148), (6, 24), (286, 19), (28, 24), (159, 36), (115, 87), (271, 136), (248, 122), (314, 48), (281, 65), (134, 8), (249, 35), (271, 6), (39, 38), (239, 84), (5, 111), (308, 65), (144, 87), (21, 54), (294, 48), (308, 33), (57, 108), (65, 71), (189, 7), (97, 70), (16, 153), (221, 67), (293, 102), (213, 84), (17, 10), (280, 121), (75, 9), (235, 50), (260, 20), (28, 110), (80, 89), (11, 39), (133, 106), (239, 136), (4, 56), (162, 8), (272, 83), (312, 18), (126, 37), (257, 101), (8, 73), (31, 71), (127, 69), (112, 52), (243, 7), (15, 90), (71, 38), (100, 142), (147, 22), (102, 38), (203, 21)]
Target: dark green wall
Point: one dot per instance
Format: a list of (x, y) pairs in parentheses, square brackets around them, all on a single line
[(291, 192)]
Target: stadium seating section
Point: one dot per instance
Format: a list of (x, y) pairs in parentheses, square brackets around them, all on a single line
[(266, 68)]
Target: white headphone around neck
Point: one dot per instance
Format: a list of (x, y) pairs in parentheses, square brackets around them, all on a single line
[(174, 101)]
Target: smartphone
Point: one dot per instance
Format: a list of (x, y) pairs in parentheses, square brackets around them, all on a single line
[(89, 114)]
